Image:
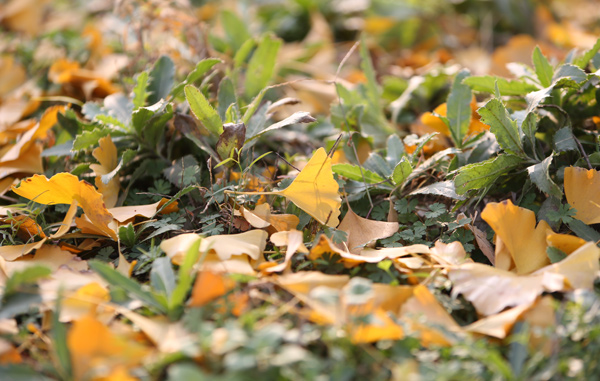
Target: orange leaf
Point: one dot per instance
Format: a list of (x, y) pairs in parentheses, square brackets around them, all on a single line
[(63, 188), (209, 286), (582, 188), (106, 154)]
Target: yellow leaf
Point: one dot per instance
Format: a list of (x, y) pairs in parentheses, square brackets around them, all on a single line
[(209, 286), (315, 190), (106, 154), (63, 188), (293, 240), (582, 188), (94, 346), (516, 228)]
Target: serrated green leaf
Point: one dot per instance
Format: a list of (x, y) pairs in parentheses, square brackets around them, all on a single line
[(140, 90), (353, 172), (133, 288), (127, 235), (564, 140), (487, 84), (481, 175), (90, 138), (588, 55), (529, 128), (160, 79), (459, 108), (540, 176), (203, 110), (261, 67), (570, 72), (442, 188), (502, 126), (543, 69), (402, 170)]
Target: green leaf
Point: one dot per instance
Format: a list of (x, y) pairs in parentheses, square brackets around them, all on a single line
[(162, 276), (90, 138), (262, 65), (59, 341), (539, 175), (161, 79), (140, 91), (201, 68), (564, 140), (536, 97), (584, 231), (487, 84), (133, 288), (26, 277), (353, 172), (235, 29), (588, 55), (443, 188), (186, 276), (529, 128), (226, 98), (402, 170), (127, 235), (459, 108), (502, 126), (297, 117), (242, 54), (22, 372), (481, 175), (395, 149), (543, 69), (571, 72), (203, 110), (554, 254)]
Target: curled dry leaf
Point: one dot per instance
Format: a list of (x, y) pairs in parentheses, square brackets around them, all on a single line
[(361, 231), (106, 154), (491, 289), (582, 188), (261, 217), (63, 188), (293, 240)]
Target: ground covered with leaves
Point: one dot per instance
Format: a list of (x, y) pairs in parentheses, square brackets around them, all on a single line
[(299, 189)]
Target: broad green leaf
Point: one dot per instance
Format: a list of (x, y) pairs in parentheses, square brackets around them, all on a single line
[(459, 108), (261, 67), (162, 277), (529, 128), (201, 68), (127, 235), (442, 188), (235, 29), (402, 170), (90, 138), (481, 175), (226, 98), (584, 231), (161, 79), (203, 110), (140, 91), (353, 172), (142, 115), (395, 149), (132, 287), (376, 163), (555, 254), (571, 72), (487, 84), (539, 175), (502, 126), (543, 69), (588, 55), (564, 140)]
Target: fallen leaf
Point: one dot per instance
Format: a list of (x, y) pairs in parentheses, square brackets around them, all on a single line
[(516, 228), (209, 286), (361, 231), (293, 239), (63, 188), (106, 154), (582, 188)]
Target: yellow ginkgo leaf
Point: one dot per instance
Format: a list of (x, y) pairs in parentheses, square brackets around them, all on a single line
[(106, 154), (314, 190), (516, 228), (63, 188), (361, 231), (582, 188)]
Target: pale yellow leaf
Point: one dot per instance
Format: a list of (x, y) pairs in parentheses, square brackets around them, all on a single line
[(106, 154), (582, 188), (361, 231)]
